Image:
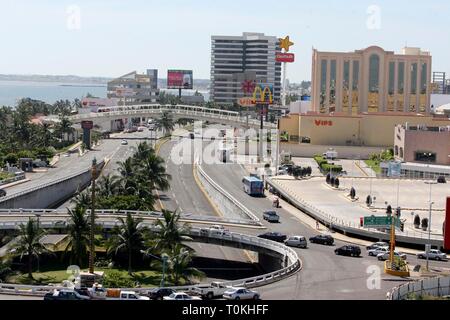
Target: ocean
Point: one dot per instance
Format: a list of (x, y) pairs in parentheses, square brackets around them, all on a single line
[(50, 92)]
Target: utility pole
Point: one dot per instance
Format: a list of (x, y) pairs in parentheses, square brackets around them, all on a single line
[(92, 234), (429, 225)]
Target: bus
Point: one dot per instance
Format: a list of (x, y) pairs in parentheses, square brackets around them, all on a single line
[(224, 153), (253, 186)]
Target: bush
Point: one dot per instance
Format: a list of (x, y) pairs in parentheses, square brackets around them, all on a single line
[(25, 154), (328, 178), (417, 221), (115, 279), (331, 168), (336, 182), (425, 223), (11, 158)]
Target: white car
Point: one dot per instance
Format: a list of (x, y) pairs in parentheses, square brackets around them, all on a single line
[(240, 294), (385, 256), (375, 252), (296, 241), (181, 296), (433, 254), (124, 142)]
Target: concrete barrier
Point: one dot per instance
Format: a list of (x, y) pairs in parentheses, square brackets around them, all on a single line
[(49, 194), (228, 205), (438, 287)]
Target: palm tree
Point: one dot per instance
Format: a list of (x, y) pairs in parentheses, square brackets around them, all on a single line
[(64, 126), (178, 264), (129, 237), (29, 243), (165, 122), (127, 175), (170, 231), (78, 234), (108, 186), (143, 151), (154, 173), (82, 199)]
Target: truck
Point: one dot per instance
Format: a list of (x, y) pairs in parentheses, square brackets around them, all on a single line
[(216, 289), (117, 294), (330, 154)]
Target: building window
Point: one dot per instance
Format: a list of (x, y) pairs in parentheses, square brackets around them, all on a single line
[(401, 152), (323, 85), (413, 89), (346, 88), (424, 156), (332, 86), (391, 87), (400, 86), (374, 82), (423, 88), (396, 150), (355, 88)]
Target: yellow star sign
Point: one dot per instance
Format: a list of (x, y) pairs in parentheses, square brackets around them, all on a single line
[(285, 44)]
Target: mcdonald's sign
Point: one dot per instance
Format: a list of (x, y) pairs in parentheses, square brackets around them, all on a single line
[(265, 95)]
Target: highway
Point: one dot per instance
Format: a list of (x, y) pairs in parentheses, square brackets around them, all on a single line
[(185, 196), (324, 275)]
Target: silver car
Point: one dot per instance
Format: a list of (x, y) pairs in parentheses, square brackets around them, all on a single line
[(433, 254), (271, 216), (296, 241)]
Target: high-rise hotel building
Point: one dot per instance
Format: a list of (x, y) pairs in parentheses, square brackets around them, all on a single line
[(371, 81), (235, 59)]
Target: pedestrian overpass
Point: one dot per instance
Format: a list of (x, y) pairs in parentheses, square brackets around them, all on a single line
[(177, 111)]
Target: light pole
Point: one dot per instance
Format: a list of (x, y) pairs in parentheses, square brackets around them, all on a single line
[(429, 224), (164, 257), (92, 235)]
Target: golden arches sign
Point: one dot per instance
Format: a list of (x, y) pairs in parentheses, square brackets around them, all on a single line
[(263, 93)]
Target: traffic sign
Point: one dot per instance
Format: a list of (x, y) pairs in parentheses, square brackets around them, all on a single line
[(381, 222)]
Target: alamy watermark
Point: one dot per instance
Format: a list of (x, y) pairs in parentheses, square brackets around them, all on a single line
[(373, 21), (73, 18)]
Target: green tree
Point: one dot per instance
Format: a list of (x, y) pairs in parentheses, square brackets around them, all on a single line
[(165, 122), (78, 234), (154, 173), (82, 199), (143, 151), (128, 237), (179, 265), (171, 232), (127, 172), (29, 244), (108, 186)]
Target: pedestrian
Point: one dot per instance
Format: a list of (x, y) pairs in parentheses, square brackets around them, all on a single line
[(317, 225)]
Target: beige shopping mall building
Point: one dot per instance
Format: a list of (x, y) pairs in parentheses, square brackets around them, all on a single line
[(359, 97)]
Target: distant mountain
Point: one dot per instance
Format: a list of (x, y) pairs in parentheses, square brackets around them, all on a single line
[(200, 84)]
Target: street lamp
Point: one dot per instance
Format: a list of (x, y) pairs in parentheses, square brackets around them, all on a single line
[(92, 235), (429, 224), (164, 258)]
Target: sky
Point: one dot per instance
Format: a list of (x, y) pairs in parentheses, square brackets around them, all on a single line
[(110, 38)]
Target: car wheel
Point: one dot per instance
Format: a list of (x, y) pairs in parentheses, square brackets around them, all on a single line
[(371, 254), (237, 298), (438, 258), (209, 296), (255, 297)]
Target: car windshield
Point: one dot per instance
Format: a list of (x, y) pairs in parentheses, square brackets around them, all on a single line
[(172, 295)]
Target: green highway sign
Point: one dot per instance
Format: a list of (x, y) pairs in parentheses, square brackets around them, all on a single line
[(381, 222)]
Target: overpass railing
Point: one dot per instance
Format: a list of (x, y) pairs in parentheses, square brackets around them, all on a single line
[(292, 265), (183, 110)]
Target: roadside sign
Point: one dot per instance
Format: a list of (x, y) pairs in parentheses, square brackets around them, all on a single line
[(381, 222), (87, 125)]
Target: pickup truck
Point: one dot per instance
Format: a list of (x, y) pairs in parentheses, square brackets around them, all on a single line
[(116, 294), (217, 289)]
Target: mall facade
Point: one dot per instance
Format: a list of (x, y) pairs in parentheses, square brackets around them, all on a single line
[(359, 97)]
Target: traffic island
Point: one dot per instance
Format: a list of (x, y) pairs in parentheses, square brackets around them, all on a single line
[(398, 268)]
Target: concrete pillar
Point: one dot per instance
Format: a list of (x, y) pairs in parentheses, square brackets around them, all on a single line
[(87, 137)]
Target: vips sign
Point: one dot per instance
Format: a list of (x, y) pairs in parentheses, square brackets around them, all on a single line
[(447, 226), (284, 57), (87, 125)]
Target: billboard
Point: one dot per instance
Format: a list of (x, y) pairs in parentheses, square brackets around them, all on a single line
[(124, 92), (180, 79)]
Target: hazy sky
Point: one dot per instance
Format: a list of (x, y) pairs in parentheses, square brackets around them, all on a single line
[(112, 37)]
